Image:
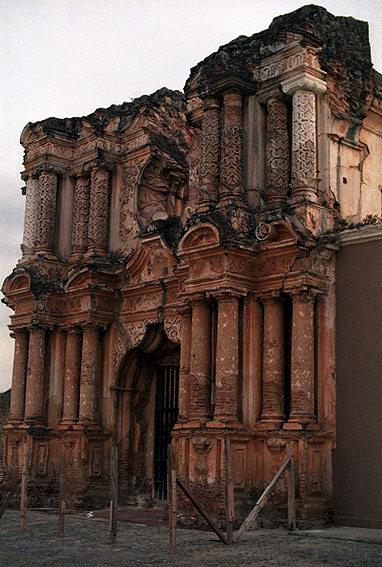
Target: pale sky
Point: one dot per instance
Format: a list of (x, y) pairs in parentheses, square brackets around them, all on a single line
[(68, 57)]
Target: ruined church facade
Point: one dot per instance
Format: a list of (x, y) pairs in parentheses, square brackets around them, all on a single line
[(178, 272)]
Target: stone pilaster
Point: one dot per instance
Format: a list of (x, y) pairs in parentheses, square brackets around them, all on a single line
[(30, 216), (20, 361), (304, 88), (302, 402), (273, 415), (200, 371), (227, 359), (209, 171), (34, 395), (99, 212), (88, 381), (231, 165), (71, 376), (277, 152), (185, 364), (46, 222), (80, 216)]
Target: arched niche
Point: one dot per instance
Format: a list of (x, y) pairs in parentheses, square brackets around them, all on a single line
[(162, 191), (200, 236)]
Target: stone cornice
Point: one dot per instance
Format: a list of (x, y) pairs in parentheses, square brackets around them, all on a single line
[(303, 81), (366, 233)]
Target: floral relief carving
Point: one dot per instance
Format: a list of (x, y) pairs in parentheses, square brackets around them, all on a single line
[(231, 174), (128, 228), (209, 172), (47, 210), (99, 201), (31, 214), (277, 150), (173, 327), (81, 214), (304, 138)]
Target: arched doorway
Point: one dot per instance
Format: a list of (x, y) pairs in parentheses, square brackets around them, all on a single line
[(146, 411)]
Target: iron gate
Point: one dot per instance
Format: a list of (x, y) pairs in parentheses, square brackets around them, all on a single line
[(166, 415)]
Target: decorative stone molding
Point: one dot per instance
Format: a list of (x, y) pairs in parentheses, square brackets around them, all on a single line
[(287, 60), (99, 210)]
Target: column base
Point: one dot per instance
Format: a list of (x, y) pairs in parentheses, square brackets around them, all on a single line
[(221, 423), (299, 422), (47, 254), (86, 425), (270, 424), (303, 194)]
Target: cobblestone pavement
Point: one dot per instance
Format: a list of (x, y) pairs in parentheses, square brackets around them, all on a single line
[(86, 545)]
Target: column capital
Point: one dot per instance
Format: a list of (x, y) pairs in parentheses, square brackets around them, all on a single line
[(303, 82), (185, 310), (271, 297), (222, 295), (211, 103), (303, 295)]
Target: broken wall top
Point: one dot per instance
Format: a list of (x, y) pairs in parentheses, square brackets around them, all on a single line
[(344, 54)]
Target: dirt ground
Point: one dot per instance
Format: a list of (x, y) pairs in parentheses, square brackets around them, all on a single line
[(86, 545)]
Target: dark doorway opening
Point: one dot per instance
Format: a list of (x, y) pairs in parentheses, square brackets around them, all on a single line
[(166, 415)]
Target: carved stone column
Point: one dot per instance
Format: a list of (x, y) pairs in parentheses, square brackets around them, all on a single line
[(30, 216), (277, 152), (231, 166), (71, 376), (99, 211), (80, 216), (302, 403), (272, 415), (20, 361), (227, 359), (185, 363), (34, 395), (46, 223), (88, 380), (200, 372), (209, 171), (304, 88)]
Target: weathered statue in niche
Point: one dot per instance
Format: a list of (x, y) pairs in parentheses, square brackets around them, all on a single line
[(160, 194)]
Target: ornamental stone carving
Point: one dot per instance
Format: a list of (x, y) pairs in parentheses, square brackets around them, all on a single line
[(209, 175), (173, 327), (81, 214), (47, 212), (31, 215), (304, 163), (128, 228), (136, 332), (277, 151), (231, 176), (99, 209), (161, 192)]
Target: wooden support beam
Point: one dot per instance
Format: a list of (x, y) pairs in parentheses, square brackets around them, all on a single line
[(291, 490), (171, 495), (229, 495), (62, 496), (24, 481), (261, 501), (201, 510), (9, 497), (113, 523)]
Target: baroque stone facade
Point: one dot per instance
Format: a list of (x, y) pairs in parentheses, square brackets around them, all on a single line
[(177, 271)]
